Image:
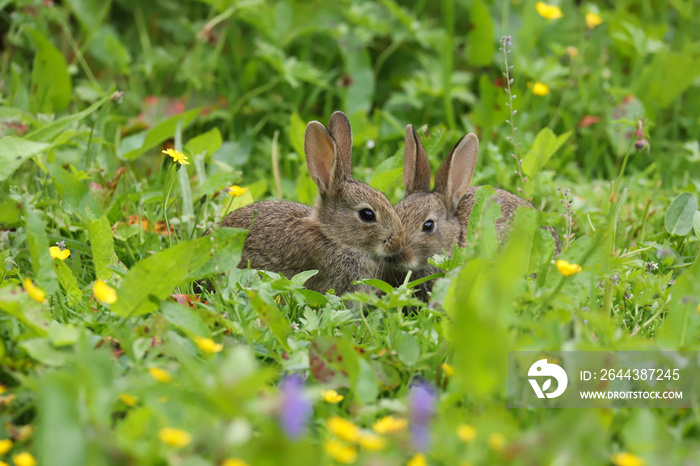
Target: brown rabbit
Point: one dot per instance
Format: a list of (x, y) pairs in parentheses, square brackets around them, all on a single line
[(435, 220), (351, 228)]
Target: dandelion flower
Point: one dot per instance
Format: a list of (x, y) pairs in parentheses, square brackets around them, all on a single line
[(417, 460), (343, 428), (24, 459), (104, 293), (390, 425), (58, 253), (449, 370), (177, 156), (626, 459), (208, 345), (593, 20), (36, 293), (236, 191), (497, 441), (331, 396), (234, 462), (128, 399), (340, 452), (160, 375), (540, 89), (5, 446), (174, 437), (567, 269), (466, 433), (548, 11), (371, 442)]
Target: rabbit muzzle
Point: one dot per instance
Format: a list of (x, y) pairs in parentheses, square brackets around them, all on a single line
[(393, 244)]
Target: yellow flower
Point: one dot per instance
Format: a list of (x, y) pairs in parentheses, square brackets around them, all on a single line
[(236, 191), (371, 442), (343, 428), (449, 370), (24, 459), (497, 441), (234, 462), (5, 446), (567, 269), (548, 11), (160, 375), (626, 459), (58, 253), (174, 437), (593, 20), (104, 293), (572, 51), (208, 345), (177, 156), (36, 293), (3, 388), (417, 460), (128, 399), (340, 452), (331, 396), (540, 89), (466, 432), (390, 425), (2, 463)]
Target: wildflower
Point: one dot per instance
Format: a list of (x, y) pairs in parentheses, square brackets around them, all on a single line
[(294, 408), (449, 370), (390, 425), (370, 144), (340, 452), (36, 293), (421, 408), (128, 399), (698, 309), (177, 156), (497, 441), (371, 442), (236, 191), (160, 375), (116, 96), (234, 462), (174, 437), (58, 253), (593, 20), (626, 459), (104, 293), (23, 433), (24, 459), (417, 460), (343, 428), (572, 51), (567, 269), (540, 89), (5, 446), (466, 433), (2, 389), (208, 345), (548, 11), (331, 396)]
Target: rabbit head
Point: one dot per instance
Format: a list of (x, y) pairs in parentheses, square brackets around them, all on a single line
[(348, 211)]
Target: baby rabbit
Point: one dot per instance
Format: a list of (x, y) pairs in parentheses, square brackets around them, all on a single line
[(350, 229), (435, 220)]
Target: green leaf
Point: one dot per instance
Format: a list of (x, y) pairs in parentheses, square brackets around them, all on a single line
[(333, 362), (102, 245), (408, 351), (481, 232), (42, 263), (90, 13), (359, 94), (208, 143), (367, 387), (681, 326), (480, 38), (62, 335), (272, 316), (76, 197), (306, 189), (160, 273), (43, 351), (18, 304), (297, 129), (680, 214), (14, 151), (387, 180), (696, 223), (135, 145), (50, 130), (184, 318), (51, 84), (68, 282), (545, 145)]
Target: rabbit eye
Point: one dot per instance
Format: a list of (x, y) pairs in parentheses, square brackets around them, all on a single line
[(366, 215), (428, 226)]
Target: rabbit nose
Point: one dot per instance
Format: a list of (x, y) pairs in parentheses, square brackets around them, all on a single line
[(394, 243)]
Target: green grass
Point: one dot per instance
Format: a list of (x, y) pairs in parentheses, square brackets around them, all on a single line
[(232, 85)]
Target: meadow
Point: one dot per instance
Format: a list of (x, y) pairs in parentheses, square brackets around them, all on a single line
[(110, 354)]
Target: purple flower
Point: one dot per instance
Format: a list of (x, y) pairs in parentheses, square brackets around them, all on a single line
[(421, 407), (295, 409)]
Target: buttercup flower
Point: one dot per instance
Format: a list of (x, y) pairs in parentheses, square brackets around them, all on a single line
[(567, 269), (3, 388), (36, 293), (331, 396), (104, 293), (5, 446), (234, 462), (128, 399), (24, 459), (236, 191), (390, 425), (497, 441), (697, 310), (295, 409), (174, 437), (177, 156), (417, 460), (371, 442), (160, 375), (340, 452), (466, 433), (540, 89), (58, 253), (343, 428), (208, 345), (548, 11), (593, 20), (626, 459), (449, 370)]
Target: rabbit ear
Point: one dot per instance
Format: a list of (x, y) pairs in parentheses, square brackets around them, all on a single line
[(416, 168), (339, 127), (320, 153), (455, 174)]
